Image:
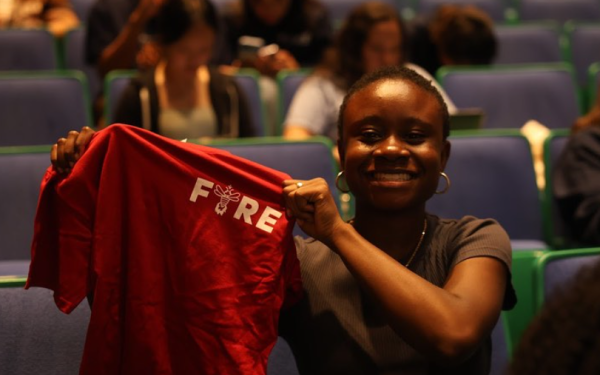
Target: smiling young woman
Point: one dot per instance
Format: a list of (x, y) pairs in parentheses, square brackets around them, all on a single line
[(397, 290)]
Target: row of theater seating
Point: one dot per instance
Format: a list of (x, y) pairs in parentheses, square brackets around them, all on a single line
[(509, 96), (492, 175), (517, 44), (36, 338)]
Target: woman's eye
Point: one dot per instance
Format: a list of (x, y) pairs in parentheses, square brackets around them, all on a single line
[(415, 137), (370, 135)]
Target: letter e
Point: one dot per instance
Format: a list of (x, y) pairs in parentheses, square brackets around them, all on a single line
[(268, 217)]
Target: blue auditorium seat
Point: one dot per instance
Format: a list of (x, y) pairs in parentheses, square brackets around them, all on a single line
[(247, 80), (74, 59), (115, 83), (39, 108), (28, 49), (35, 337), (511, 95), (555, 229), (22, 171), (528, 43), (559, 10), (554, 269), (288, 83), (492, 176), (584, 41)]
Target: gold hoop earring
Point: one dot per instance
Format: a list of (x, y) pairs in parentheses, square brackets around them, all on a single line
[(337, 183), (447, 183)]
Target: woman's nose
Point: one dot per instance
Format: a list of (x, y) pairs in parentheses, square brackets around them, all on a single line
[(392, 148)]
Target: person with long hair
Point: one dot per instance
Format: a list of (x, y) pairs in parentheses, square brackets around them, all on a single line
[(373, 36), (184, 96)]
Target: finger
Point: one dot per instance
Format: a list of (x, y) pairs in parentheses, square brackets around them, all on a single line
[(82, 141), (61, 165), (53, 156), (69, 148)]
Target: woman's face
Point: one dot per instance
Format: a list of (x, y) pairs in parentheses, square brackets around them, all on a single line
[(270, 11), (382, 47), (191, 51), (392, 146)]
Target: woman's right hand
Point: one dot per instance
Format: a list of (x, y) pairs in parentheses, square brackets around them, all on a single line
[(66, 151)]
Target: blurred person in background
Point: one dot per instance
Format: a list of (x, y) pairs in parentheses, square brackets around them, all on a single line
[(184, 96), (373, 36), (453, 35), (57, 16)]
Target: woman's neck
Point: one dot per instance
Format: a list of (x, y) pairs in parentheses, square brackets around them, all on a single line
[(182, 91), (395, 234)]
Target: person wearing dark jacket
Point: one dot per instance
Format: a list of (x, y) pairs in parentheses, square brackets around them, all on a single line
[(183, 97)]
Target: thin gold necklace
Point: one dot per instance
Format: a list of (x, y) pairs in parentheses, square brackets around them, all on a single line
[(416, 250)]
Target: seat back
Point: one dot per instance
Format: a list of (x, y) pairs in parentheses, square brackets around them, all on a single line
[(281, 360), (555, 229), (39, 108), (115, 83), (492, 176), (22, 171), (593, 84), (513, 95), (500, 348), (556, 268), (28, 49), (247, 80), (35, 337), (494, 8), (584, 40), (528, 43), (288, 83), (300, 159), (559, 10), (74, 58)]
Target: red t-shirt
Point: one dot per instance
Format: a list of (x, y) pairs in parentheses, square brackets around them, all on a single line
[(186, 249)]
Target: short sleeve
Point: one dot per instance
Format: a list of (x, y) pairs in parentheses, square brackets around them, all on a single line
[(315, 107), (484, 238)]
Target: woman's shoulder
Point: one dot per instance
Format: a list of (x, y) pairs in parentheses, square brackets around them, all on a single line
[(469, 225)]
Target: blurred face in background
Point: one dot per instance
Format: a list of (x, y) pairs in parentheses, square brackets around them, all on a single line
[(383, 46), (271, 12), (191, 51)]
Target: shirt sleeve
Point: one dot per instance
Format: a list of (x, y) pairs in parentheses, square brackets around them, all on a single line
[(63, 227), (484, 238), (314, 107)]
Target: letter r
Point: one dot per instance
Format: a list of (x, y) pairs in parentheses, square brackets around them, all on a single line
[(247, 207)]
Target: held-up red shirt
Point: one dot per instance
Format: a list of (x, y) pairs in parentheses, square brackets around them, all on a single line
[(186, 249)]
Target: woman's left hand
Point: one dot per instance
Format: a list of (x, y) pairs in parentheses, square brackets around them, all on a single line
[(312, 205)]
